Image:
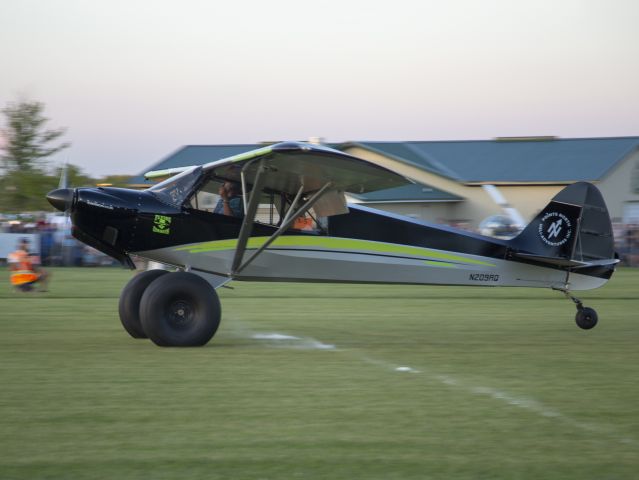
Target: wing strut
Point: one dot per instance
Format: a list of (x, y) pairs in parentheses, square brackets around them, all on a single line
[(249, 217), (294, 203), (289, 219)]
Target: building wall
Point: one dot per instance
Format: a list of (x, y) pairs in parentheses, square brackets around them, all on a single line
[(527, 199), (617, 188), (475, 205)]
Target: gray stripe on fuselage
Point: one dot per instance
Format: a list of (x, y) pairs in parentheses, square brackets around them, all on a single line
[(321, 265)]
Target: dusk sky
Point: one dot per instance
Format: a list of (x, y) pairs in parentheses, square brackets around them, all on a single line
[(134, 80)]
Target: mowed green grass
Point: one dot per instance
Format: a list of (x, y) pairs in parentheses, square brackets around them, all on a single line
[(492, 384)]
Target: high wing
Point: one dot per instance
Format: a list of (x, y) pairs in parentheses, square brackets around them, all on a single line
[(291, 166)]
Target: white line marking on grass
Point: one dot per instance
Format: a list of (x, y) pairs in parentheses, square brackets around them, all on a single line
[(525, 403), (445, 379), (406, 369), (540, 409), (289, 341), (501, 396), (314, 344), (273, 336)]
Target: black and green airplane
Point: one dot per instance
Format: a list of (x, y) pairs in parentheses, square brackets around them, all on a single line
[(180, 223)]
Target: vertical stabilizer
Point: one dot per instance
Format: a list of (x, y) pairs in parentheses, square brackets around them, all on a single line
[(574, 228)]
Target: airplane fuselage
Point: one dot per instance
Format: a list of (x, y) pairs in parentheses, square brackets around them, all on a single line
[(362, 246)]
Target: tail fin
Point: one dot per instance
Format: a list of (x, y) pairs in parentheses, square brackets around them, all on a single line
[(574, 230)]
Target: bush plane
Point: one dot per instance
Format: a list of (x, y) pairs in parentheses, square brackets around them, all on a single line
[(291, 222)]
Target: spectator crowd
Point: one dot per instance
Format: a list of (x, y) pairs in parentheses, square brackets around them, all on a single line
[(53, 241)]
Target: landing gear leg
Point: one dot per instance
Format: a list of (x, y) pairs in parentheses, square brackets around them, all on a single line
[(586, 317)]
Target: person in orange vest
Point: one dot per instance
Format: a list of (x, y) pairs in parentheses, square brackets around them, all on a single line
[(303, 222), (26, 270)]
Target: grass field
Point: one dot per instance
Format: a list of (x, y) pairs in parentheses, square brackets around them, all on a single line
[(379, 383)]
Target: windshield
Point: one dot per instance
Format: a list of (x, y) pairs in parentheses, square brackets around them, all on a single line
[(175, 190)]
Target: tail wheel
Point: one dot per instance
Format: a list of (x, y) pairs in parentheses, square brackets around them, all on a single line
[(129, 307), (586, 318), (180, 310)]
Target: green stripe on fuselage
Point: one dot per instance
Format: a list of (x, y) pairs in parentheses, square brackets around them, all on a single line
[(337, 243), (435, 263)]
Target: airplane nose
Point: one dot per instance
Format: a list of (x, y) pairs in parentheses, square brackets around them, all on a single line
[(62, 198)]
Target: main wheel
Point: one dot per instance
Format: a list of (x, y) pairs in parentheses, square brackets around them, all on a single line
[(129, 307), (586, 318), (180, 310)]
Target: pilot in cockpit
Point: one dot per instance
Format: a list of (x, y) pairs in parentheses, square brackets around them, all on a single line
[(230, 202)]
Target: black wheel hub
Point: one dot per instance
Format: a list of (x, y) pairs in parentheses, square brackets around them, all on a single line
[(181, 314)]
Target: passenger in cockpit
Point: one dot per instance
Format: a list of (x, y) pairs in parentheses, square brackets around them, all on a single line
[(230, 202)]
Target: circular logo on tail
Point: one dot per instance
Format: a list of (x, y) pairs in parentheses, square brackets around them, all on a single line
[(555, 229)]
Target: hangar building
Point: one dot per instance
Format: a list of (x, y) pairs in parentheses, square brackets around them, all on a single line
[(528, 171)]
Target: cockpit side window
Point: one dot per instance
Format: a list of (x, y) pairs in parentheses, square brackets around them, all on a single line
[(272, 208), (207, 197), (269, 209), (219, 196), (308, 221)]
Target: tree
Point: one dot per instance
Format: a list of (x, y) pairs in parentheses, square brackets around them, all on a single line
[(75, 177), (27, 141), (27, 145), (115, 180)]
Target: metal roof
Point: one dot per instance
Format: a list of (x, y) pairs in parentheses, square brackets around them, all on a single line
[(529, 160), (193, 155), (407, 194)]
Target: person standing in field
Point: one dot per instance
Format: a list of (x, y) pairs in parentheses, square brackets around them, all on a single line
[(26, 270)]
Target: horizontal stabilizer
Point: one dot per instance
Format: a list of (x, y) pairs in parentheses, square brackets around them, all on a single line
[(566, 262), (600, 263)]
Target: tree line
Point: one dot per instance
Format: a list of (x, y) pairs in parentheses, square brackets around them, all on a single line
[(26, 174)]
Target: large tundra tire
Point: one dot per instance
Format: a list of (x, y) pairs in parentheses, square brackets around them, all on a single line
[(129, 306), (180, 310)]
